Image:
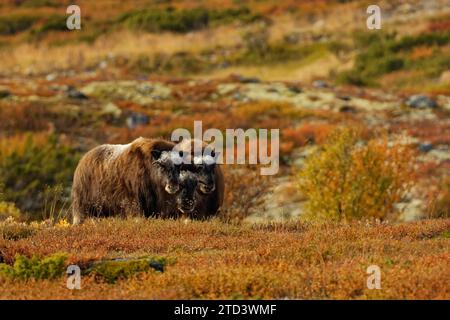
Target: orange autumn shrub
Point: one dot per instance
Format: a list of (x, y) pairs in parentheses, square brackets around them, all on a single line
[(439, 26), (23, 117), (307, 133), (255, 112), (19, 142), (421, 52), (347, 180)]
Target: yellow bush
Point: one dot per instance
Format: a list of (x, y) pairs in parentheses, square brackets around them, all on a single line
[(347, 179), (8, 209)]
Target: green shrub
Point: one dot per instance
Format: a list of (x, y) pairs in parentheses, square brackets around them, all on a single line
[(166, 20), (433, 65), (181, 62), (258, 50), (8, 209), (114, 270), (155, 20), (375, 58), (242, 14), (25, 268), (27, 175), (426, 39), (13, 24), (52, 23), (346, 179), (383, 53)]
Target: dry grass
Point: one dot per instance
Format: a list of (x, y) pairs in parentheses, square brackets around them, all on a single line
[(216, 260), (286, 18), (44, 58), (23, 117)]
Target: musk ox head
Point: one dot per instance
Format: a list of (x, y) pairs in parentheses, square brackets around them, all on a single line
[(201, 162), (186, 198), (168, 163), (204, 167)]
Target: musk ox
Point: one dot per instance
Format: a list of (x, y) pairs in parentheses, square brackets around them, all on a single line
[(125, 179), (184, 202), (211, 187)]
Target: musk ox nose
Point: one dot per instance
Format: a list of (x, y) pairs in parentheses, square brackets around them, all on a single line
[(171, 189), (188, 203), (186, 206), (205, 188)]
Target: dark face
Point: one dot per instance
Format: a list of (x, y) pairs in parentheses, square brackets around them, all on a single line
[(169, 169), (186, 198), (206, 174), (205, 169)]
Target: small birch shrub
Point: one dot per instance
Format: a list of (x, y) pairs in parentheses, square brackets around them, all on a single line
[(347, 179)]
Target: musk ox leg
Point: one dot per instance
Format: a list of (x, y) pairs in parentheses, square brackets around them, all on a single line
[(77, 217), (78, 213)]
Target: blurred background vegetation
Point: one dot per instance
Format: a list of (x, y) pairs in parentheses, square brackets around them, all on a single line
[(146, 67), (289, 39)]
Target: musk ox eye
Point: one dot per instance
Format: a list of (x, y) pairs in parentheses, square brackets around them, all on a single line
[(175, 158), (209, 160), (156, 154)]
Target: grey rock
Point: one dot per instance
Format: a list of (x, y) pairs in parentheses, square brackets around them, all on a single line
[(295, 89), (158, 266), (141, 93), (103, 64), (292, 38), (238, 96), (224, 65), (111, 110), (137, 119), (243, 79), (425, 147), (344, 98), (51, 77), (421, 102), (75, 94), (320, 84), (272, 89), (145, 88), (347, 109)]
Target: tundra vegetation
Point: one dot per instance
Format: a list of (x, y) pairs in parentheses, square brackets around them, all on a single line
[(364, 147), (346, 180)]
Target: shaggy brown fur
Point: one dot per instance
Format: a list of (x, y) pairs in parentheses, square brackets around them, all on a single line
[(211, 184), (123, 180)]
